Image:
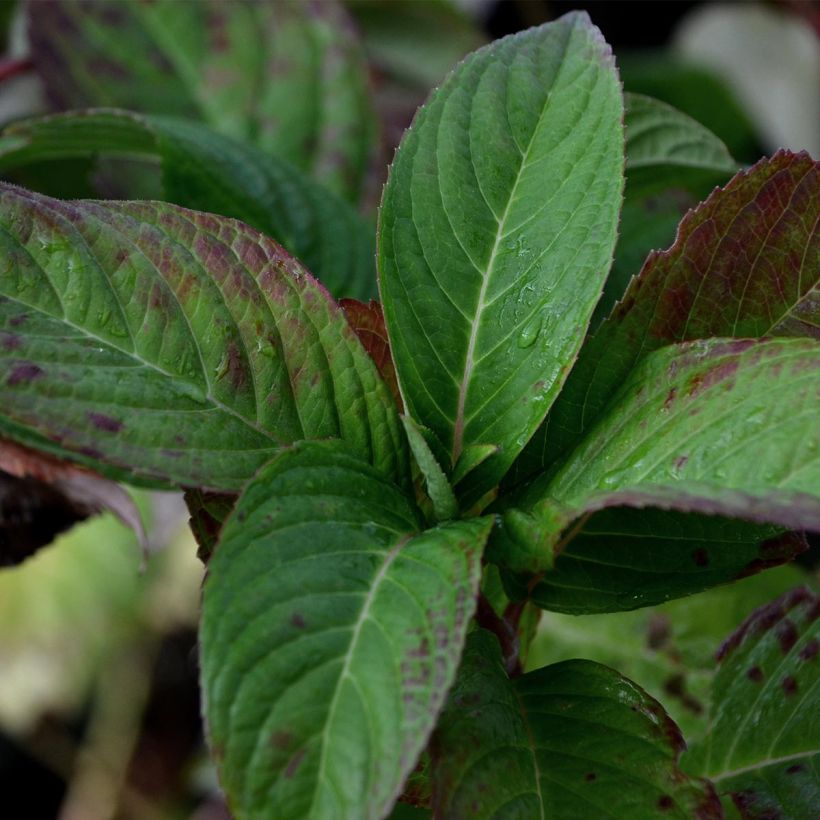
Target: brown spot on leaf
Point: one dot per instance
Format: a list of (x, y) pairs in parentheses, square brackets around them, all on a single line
[(701, 557), (106, 423), (796, 768), (294, 763), (281, 739), (665, 802), (765, 618), (297, 621), (658, 631), (754, 673), (670, 397), (809, 651), (675, 686), (11, 341), (590, 777), (786, 633), (789, 685), (24, 373)]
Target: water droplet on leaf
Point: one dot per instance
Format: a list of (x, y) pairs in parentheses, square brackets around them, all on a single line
[(530, 332)]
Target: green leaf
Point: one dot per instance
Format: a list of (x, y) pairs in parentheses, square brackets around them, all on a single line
[(207, 171), (719, 427), (331, 633), (695, 90), (170, 347), (627, 558), (672, 163), (700, 427), (438, 487), (668, 650), (746, 263), (659, 136), (763, 747), (287, 77), (573, 740), (415, 44), (496, 231)]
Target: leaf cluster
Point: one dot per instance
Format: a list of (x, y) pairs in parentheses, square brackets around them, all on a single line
[(388, 494)]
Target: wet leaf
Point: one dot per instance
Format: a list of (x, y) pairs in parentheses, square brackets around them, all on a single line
[(496, 231), (171, 347), (699, 427), (745, 263)]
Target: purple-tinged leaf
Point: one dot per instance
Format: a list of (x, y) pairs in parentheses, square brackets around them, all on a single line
[(745, 264), (367, 320), (718, 427), (763, 748), (287, 77), (171, 347)]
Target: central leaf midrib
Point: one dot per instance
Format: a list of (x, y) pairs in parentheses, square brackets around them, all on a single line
[(458, 428), (367, 605)]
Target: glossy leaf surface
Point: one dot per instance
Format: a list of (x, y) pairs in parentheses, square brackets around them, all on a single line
[(700, 427), (287, 77), (746, 263), (763, 747), (207, 171), (173, 347), (496, 231), (331, 633), (572, 740)]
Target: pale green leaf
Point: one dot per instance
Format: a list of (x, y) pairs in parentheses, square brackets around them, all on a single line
[(438, 487), (496, 232)]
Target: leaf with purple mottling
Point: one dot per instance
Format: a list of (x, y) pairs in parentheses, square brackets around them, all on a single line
[(746, 263), (719, 427), (288, 77), (171, 347), (206, 171), (762, 750)]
